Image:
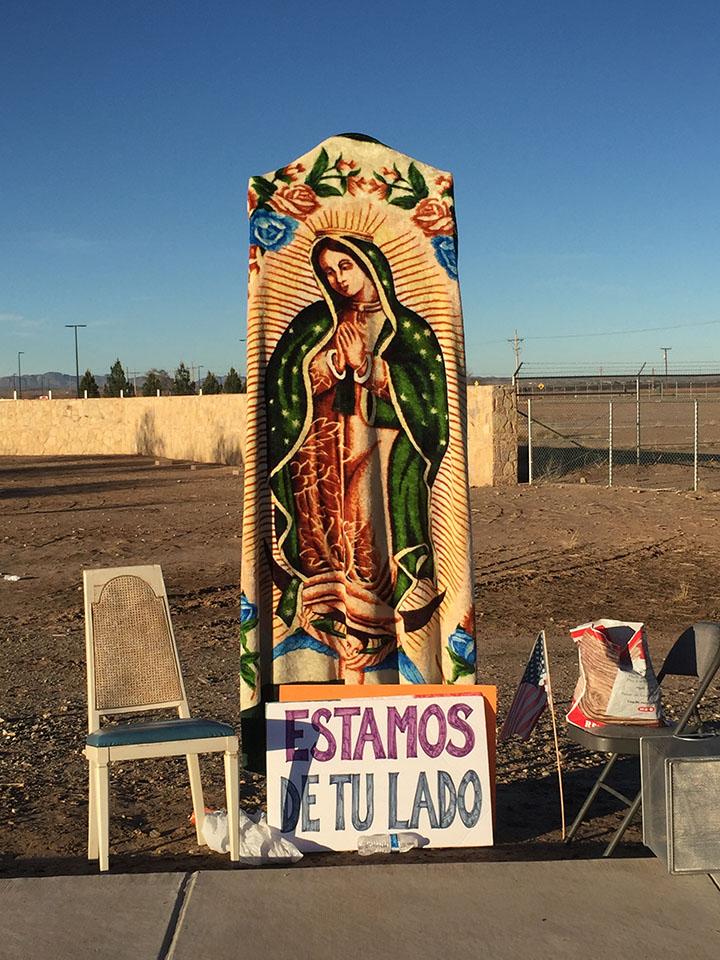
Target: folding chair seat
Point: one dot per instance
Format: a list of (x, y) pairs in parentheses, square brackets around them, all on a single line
[(696, 653), (133, 668)]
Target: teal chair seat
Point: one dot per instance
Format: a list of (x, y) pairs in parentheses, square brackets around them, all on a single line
[(157, 731)]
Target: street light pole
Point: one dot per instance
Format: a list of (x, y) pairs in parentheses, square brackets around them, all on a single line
[(75, 326), (20, 353)]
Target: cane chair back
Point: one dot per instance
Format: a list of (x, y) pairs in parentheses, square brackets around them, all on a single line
[(132, 657)]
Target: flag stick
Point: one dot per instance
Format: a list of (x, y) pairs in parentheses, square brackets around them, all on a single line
[(551, 704)]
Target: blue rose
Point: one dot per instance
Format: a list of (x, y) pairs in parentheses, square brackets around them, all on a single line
[(248, 611), (462, 645), (271, 230), (446, 255)]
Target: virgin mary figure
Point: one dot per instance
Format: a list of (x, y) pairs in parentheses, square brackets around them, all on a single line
[(357, 429)]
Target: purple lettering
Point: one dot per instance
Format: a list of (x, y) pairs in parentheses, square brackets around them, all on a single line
[(346, 713), (292, 734), (369, 733), (405, 723), (323, 714), (433, 749), (457, 718)]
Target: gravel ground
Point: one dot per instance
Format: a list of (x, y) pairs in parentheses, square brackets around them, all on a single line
[(548, 556)]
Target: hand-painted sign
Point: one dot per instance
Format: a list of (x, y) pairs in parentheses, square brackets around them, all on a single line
[(338, 769)]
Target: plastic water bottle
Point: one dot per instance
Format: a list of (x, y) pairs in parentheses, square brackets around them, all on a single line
[(387, 843)]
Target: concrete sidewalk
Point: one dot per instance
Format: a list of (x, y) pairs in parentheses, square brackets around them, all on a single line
[(560, 909)]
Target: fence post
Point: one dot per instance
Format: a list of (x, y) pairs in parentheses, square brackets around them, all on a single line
[(637, 421), (610, 443), (529, 420), (695, 449)]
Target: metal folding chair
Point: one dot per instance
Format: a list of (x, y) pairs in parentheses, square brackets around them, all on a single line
[(133, 668), (696, 653)]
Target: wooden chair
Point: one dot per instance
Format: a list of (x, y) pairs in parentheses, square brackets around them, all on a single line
[(133, 668)]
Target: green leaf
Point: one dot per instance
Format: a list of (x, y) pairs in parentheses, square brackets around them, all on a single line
[(447, 193), (318, 169), (417, 182), (407, 203), (354, 173), (326, 625), (379, 176), (461, 667), (263, 188), (325, 190), (281, 175), (248, 674)]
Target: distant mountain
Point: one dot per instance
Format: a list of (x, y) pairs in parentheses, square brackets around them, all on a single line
[(52, 380)]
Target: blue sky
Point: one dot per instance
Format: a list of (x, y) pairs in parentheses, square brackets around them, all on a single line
[(584, 138)]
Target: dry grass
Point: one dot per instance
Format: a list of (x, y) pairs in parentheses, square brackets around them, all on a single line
[(570, 541), (682, 594)]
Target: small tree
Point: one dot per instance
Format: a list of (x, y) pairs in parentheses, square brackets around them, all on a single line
[(116, 382), (182, 384), (211, 384), (152, 384), (89, 383), (233, 382)]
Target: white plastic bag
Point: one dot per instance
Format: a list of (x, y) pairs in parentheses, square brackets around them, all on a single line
[(259, 842)]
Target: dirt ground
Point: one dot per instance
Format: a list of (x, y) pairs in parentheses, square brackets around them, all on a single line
[(547, 556)]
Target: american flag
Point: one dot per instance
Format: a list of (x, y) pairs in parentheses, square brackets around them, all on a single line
[(531, 697)]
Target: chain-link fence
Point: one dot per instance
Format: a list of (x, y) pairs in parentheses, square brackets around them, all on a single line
[(637, 442)]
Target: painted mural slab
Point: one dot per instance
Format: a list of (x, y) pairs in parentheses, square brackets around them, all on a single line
[(340, 769), (356, 562)]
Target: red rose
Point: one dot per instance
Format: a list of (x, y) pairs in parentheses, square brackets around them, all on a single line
[(253, 265), (293, 170), (434, 217), (356, 185), (296, 200), (252, 201), (376, 186), (444, 182), (343, 165), (390, 174)]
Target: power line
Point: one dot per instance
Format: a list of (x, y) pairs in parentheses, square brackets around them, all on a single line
[(612, 333)]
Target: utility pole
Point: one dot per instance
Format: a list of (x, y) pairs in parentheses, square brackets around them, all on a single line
[(20, 353), (75, 326), (516, 341), (665, 353), (134, 375)]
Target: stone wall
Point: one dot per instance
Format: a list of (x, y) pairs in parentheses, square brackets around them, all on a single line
[(492, 436), (211, 429)]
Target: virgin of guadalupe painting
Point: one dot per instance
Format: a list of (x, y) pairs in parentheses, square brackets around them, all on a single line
[(356, 560)]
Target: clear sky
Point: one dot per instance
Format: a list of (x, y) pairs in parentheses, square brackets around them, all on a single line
[(584, 138)]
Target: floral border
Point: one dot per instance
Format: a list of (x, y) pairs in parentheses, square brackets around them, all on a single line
[(278, 204)]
